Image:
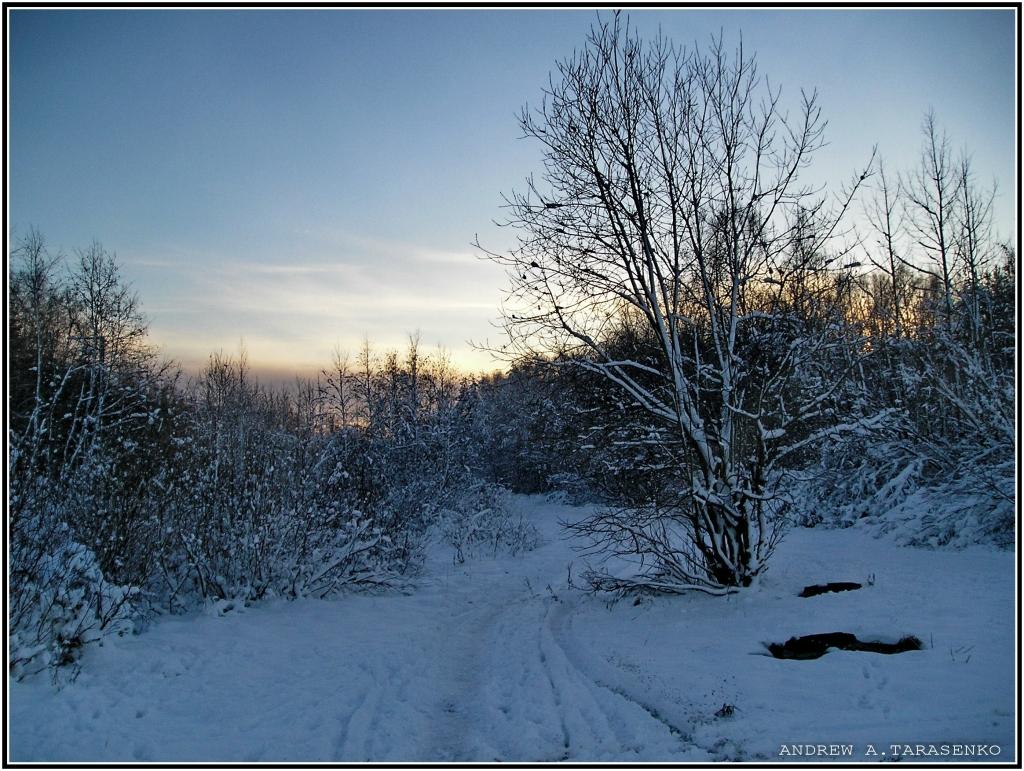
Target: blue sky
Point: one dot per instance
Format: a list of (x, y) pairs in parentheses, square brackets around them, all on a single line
[(302, 178)]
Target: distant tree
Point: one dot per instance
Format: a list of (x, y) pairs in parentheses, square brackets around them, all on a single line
[(884, 214), (973, 247), (932, 191), (337, 391), (38, 331)]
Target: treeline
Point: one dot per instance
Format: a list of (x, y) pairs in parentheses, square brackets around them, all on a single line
[(935, 461), (137, 491)]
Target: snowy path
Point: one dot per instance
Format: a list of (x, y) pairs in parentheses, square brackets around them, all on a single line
[(499, 659), (508, 686)]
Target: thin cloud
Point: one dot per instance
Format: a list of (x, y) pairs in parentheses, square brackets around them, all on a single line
[(330, 285)]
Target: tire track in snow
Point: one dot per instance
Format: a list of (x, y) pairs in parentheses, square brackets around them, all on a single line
[(556, 623), (595, 720), (510, 684), (341, 741), (454, 732), (355, 739), (595, 725), (522, 699), (557, 697)]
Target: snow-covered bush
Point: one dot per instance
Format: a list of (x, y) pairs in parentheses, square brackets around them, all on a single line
[(59, 599), (941, 473), (65, 606), (896, 489), (857, 478), (478, 522), (257, 510)]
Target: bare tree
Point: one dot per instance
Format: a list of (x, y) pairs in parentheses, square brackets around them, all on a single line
[(973, 244), (671, 193), (39, 337), (337, 391), (884, 215), (364, 380), (932, 192)]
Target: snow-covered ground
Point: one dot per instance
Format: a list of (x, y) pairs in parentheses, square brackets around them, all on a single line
[(499, 659)]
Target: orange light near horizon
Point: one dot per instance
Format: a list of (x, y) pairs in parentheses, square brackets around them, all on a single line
[(269, 360)]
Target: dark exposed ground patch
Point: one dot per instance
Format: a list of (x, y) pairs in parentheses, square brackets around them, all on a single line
[(836, 586), (815, 646)]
